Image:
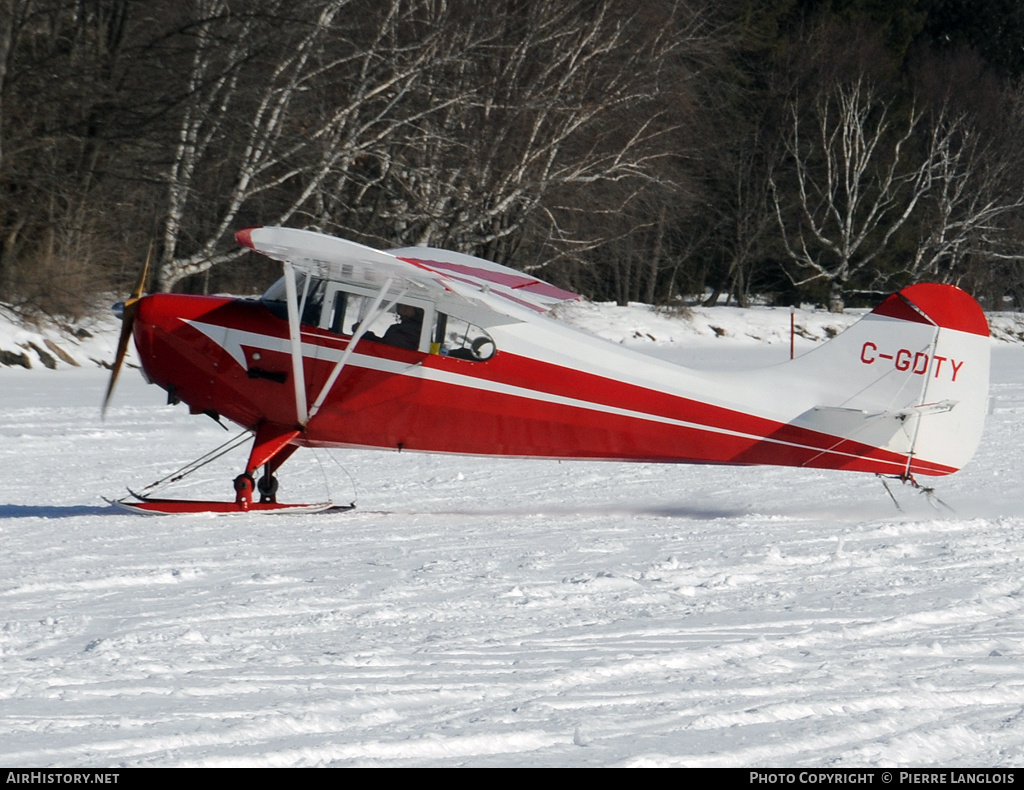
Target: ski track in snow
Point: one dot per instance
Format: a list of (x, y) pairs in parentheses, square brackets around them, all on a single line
[(495, 612)]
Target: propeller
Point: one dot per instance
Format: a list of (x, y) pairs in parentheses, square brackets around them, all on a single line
[(128, 312)]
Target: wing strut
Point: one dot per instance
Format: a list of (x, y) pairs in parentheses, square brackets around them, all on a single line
[(372, 315), (295, 336)]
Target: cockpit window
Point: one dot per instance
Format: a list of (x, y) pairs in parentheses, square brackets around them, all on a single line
[(275, 299), (331, 306), (401, 325), (462, 340), (310, 291), (311, 302), (404, 329)]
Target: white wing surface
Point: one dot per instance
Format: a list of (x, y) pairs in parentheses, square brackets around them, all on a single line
[(425, 268)]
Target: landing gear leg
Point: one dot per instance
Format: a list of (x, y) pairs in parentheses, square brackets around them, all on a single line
[(270, 449), (267, 485), (244, 486)]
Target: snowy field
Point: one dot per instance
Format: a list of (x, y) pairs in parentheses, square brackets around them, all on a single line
[(500, 612)]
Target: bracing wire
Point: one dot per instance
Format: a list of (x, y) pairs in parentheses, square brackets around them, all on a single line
[(351, 480), (193, 466)]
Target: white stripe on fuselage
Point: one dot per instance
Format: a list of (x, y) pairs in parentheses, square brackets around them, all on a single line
[(233, 340)]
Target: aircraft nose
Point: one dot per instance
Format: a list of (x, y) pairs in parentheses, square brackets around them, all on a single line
[(143, 325)]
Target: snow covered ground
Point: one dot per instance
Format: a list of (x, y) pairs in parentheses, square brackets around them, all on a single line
[(502, 612)]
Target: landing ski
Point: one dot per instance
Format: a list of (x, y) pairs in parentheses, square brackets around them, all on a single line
[(168, 507)]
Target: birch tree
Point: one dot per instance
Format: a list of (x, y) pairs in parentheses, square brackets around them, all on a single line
[(330, 94), (558, 97), (976, 188), (856, 184)]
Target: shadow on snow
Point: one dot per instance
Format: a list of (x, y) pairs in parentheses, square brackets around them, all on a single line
[(50, 511)]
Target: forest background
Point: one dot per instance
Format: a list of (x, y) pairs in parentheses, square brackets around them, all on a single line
[(820, 151)]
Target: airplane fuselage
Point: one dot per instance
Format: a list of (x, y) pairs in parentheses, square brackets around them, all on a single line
[(548, 391)]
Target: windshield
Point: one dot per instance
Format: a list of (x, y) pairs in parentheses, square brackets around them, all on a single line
[(311, 298), (275, 293)]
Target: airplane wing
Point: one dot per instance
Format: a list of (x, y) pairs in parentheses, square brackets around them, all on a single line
[(435, 271), (488, 277), (330, 257)]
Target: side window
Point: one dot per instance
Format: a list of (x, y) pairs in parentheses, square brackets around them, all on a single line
[(346, 311), (462, 340), (339, 309), (400, 326), (349, 310), (311, 307)]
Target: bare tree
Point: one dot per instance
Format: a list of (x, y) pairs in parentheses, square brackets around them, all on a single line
[(296, 142), (975, 188), (58, 94), (12, 20), (744, 163), (13, 15), (560, 98), (856, 185)]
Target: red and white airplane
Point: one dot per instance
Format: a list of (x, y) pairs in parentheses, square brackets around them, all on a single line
[(421, 349)]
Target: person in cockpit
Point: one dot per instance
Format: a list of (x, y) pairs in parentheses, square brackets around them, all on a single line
[(405, 333)]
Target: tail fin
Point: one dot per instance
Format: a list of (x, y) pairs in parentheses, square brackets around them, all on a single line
[(910, 378)]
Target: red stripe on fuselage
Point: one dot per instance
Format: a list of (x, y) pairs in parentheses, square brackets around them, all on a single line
[(603, 391), (380, 409), (469, 415)]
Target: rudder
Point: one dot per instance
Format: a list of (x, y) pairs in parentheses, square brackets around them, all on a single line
[(950, 412), (910, 378)]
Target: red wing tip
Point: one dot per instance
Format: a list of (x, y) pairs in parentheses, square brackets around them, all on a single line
[(244, 237)]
